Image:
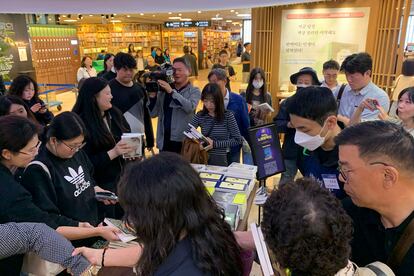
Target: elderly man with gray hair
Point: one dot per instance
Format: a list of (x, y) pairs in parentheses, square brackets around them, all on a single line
[(234, 103)]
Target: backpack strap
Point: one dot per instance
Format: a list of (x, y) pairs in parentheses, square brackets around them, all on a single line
[(43, 166), (340, 92), (403, 245)]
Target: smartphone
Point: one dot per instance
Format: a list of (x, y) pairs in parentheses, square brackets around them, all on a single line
[(105, 196), (152, 86), (373, 103)]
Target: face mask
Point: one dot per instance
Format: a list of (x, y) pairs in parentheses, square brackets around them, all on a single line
[(257, 84), (309, 142)]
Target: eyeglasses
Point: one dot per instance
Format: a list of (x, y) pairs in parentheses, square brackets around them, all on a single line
[(345, 173), (75, 149), (32, 151)]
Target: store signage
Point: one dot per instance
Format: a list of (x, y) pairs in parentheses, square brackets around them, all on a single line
[(187, 24), (266, 151)]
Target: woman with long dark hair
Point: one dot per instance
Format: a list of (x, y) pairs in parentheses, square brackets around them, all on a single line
[(105, 125), (27, 89), (108, 72), (180, 228), (256, 94), (217, 124), (13, 105)]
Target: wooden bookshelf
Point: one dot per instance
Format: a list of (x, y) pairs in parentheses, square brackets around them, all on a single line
[(176, 39), (114, 38), (214, 41)]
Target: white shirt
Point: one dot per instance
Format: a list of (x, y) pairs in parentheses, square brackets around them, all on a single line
[(226, 99), (84, 74), (338, 85)]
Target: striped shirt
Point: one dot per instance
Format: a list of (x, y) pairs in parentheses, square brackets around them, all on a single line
[(224, 134)]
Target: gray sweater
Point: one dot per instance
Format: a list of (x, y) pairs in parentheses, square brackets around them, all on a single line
[(184, 104)]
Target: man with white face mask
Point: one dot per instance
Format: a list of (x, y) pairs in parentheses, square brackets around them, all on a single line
[(290, 150), (313, 113)]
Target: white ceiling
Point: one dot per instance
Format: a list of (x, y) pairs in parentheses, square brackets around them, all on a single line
[(131, 6), (161, 17)]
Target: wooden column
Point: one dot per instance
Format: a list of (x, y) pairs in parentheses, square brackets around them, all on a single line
[(389, 42)]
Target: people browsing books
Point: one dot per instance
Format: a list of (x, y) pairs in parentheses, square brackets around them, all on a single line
[(105, 125), (60, 179), (217, 124), (19, 144), (180, 229)]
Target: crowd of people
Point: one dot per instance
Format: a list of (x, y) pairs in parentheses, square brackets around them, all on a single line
[(353, 208)]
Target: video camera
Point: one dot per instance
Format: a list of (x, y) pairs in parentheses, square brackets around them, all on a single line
[(165, 73)]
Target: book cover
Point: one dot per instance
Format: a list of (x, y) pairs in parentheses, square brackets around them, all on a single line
[(126, 234), (134, 140)]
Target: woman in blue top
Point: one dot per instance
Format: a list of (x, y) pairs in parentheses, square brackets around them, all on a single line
[(167, 57)]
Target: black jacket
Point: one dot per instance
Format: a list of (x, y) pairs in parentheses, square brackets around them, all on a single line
[(132, 101), (290, 149), (68, 191), (106, 171), (16, 205), (43, 118)]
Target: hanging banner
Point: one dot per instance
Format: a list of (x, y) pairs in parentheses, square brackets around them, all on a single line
[(311, 37)]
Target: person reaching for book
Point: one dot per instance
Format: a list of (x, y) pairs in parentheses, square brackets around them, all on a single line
[(19, 144), (60, 179), (180, 229)]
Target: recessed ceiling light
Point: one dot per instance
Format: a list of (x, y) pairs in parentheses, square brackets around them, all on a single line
[(91, 15), (217, 18), (128, 15), (153, 15), (50, 19), (244, 15), (70, 20), (231, 10), (199, 12), (179, 14), (174, 17), (229, 21), (141, 13), (170, 13), (185, 19), (236, 12), (63, 15)]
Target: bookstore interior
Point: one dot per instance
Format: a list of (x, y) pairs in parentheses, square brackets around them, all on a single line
[(113, 87)]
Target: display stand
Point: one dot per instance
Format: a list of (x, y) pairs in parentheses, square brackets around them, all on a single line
[(267, 153)]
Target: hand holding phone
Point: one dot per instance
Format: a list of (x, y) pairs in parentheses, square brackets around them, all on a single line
[(102, 196), (371, 104)]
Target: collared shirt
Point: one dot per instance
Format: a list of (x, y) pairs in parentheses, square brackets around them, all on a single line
[(350, 100), (373, 242), (324, 84), (226, 99)]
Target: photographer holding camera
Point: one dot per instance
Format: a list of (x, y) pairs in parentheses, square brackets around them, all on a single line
[(173, 103)]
